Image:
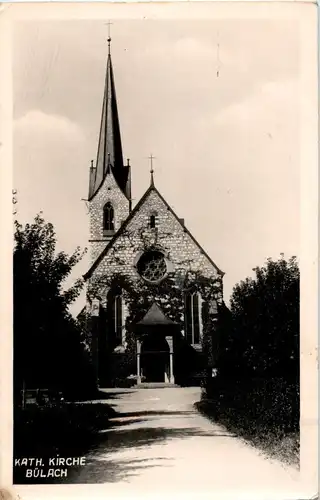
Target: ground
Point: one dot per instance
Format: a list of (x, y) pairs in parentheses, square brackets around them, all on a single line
[(161, 442)]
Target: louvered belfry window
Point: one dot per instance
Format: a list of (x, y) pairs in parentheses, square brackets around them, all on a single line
[(108, 217)]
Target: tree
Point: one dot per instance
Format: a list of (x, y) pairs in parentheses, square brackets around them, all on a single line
[(264, 339), (47, 340)]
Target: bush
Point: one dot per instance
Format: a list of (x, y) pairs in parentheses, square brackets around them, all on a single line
[(270, 403), (265, 412), (57, 426)]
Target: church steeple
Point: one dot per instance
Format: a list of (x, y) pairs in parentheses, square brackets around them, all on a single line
[(109, 156)]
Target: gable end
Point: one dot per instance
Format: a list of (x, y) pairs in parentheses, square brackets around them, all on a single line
[(130, 217)]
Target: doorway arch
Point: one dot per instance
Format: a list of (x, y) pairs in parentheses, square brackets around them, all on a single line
[(155, 359)]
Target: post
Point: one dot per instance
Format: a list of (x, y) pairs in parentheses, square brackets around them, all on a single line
[(171, 369), (124, 311), (171, 375), (200, 318), (94, 329), (138, 361), (23, 394), (213, 311)]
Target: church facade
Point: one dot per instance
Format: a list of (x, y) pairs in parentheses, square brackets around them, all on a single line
[(153, 293)]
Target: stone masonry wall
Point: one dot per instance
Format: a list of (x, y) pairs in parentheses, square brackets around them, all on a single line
[(181, 251), (109, 191)]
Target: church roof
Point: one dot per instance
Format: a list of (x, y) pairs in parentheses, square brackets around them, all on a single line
[(130, 217), (155, 316), (109, 156)]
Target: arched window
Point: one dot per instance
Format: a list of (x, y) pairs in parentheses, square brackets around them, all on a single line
[(108, 217), (192, 317), (118, 317), (115, 310)]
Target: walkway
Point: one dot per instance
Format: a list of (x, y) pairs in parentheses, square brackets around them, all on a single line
[(161, 442)]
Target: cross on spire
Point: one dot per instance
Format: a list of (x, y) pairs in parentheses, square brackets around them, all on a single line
[(109, 23), (151, 158)]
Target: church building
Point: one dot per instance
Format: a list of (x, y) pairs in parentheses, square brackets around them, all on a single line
[(153, 293)]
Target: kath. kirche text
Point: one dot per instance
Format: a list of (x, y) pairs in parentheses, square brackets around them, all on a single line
[(48, 467)]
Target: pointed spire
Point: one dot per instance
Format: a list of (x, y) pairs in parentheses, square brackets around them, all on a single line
[(109, 157)]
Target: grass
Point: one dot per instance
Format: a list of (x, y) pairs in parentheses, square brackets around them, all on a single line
[(264, 413)]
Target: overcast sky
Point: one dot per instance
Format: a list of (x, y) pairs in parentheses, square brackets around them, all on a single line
[(226, 147)]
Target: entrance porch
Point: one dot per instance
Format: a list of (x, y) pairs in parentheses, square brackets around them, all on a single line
[(155, 348)]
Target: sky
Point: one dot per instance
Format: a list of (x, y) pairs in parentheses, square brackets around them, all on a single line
[(215, 101)]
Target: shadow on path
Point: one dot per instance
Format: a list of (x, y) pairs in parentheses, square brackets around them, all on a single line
[(102, 465), (100, 395), (137, 430), (115, 436), (103, 470)]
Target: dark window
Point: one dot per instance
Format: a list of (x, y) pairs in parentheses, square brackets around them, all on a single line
[(108, 217), (188, 317), (196, 322), (152, 221), (118, 317), (115, 314), (192, 318)]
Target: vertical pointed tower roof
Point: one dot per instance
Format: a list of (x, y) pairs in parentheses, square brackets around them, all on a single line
[(109, 156)]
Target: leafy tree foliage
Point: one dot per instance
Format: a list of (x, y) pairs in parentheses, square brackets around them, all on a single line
[(264, 338), (48, 347)]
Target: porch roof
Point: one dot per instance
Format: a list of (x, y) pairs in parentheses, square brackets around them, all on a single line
[(156, 317)]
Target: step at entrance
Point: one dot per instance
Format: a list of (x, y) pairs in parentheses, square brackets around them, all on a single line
[(154, 385)]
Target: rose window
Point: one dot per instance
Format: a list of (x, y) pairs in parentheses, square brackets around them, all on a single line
[(152, 266)]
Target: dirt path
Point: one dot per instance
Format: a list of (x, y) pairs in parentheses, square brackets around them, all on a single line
[(162, 443)]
